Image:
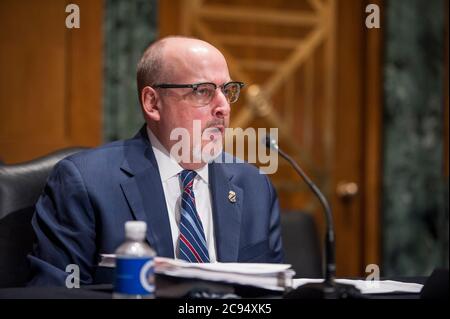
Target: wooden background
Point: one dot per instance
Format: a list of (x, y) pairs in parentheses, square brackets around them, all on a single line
[(315, 64), (50, 78), (315, 69)]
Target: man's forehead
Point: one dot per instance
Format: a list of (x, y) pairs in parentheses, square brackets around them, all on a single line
[(194, 57), (185, 42), (198, 49), (189, 48)]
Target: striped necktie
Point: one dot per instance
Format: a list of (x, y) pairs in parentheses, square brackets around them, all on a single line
[(192, 241)]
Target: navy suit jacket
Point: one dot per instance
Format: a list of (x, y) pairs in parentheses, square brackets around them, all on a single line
[(90, 195)]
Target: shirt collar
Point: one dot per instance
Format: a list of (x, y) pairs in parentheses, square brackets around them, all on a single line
[(168, 166), (203, 172)]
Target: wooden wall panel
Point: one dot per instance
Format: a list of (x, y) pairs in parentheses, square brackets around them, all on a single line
[(305, 65), (85, 76), (50, 78), (32, 76), (372, 148), (348, 159)]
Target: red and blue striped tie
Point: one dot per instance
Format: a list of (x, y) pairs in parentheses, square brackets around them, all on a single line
[(192, 241)]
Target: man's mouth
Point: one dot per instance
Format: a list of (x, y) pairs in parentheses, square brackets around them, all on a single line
[(214, 132), (220, 128)]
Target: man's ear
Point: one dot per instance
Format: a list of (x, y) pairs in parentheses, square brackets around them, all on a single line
[(150, 103)]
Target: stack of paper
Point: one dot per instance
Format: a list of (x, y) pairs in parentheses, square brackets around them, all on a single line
[(268, 276), (107, 260), (369, 286)]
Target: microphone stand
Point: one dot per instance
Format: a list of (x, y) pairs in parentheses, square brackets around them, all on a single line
[(328, 289)]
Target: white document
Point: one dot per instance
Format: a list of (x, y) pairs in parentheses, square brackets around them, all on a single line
[(268, 276), (107, 260), (369, 286)]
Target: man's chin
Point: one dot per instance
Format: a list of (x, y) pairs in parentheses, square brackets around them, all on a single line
[(216, 138), (213, 133), (209, 151)]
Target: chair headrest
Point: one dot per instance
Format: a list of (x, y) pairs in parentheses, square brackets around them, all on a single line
[(21, 184)]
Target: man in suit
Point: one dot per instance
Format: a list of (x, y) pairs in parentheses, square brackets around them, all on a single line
[(90, 195)]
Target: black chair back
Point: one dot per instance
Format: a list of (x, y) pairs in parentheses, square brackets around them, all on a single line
[(301, 244), (20, 187)]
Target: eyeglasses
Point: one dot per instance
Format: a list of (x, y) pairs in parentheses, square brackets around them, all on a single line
[(203, 93)]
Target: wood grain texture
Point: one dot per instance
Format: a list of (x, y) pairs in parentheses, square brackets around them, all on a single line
[(310, 61), (50, 79)]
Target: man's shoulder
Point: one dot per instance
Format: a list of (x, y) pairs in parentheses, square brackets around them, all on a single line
[(238, 167), (245, 175), (110, 153)]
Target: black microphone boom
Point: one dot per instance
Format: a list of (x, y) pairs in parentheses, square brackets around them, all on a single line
[(328, 288), (330, 264)]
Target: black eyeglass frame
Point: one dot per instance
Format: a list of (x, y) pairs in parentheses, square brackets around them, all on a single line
[(195, 86)]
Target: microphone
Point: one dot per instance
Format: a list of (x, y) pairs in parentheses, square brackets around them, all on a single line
[(327, 289)]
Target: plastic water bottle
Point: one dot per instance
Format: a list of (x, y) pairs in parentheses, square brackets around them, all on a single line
[(134, 276)]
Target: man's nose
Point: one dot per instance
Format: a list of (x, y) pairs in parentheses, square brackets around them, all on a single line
[(221, 106)]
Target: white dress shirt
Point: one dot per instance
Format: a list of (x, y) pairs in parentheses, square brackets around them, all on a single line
[(169, 171)]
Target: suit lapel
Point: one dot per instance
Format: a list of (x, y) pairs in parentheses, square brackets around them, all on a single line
[(145, 195), (226, 214)]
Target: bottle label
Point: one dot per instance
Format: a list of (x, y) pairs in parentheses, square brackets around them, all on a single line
[(134, 276)]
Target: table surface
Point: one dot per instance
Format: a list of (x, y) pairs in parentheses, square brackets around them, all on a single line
[(104, 291)]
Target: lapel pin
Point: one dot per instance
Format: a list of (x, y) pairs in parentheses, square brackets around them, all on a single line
[(232, 196)]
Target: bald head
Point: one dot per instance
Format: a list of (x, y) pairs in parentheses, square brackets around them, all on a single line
[(163, 59), (181, 62)]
